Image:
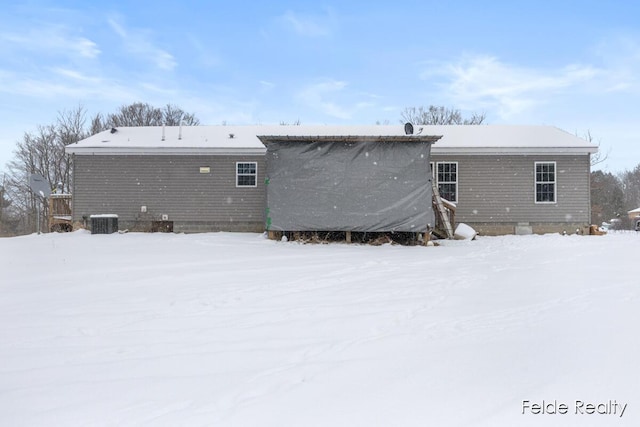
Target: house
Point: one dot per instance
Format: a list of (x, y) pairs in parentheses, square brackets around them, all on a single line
[(503, 179), (634, 214), (190, 178)]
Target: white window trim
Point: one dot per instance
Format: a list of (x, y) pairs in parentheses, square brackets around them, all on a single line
[(535, 183), (238, 175), (435, 171)]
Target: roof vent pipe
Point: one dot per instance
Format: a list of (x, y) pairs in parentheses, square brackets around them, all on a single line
[(163, 132), (180, 130)]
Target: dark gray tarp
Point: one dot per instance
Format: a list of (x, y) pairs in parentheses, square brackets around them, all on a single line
[(348, 185)]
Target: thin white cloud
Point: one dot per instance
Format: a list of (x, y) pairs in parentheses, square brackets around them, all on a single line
[(266, 84), (138, 43), (621, 55), (86, 47), (157, 89), (332, 99), (204, 53), (51, 40), (308, 25), (117, 28), (316, 95), (485, 82), (76, 75), (62, 83)]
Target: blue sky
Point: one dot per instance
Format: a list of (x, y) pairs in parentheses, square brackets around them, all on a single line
[(571, 64)]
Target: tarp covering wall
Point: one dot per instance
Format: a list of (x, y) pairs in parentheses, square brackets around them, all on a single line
[(372, 186)]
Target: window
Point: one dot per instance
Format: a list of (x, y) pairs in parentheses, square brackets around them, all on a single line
[(447, 179), (545, 182), (246, 174)]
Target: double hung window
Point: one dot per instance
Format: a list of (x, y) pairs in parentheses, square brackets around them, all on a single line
[(246, 174), (545, 182), (447, 180)]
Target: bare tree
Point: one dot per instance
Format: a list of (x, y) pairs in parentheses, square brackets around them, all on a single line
[(172, 116), (607, 197), (599, 156), (143, 114), (137, 114), (38, 152), (296, 122), (6, 224), (438, 115), (70, 128), (43, 152), (97, 124), (631, 187)]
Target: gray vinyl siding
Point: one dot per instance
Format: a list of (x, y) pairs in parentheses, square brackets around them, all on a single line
[(492, 190), (169, 185), (501, 189)]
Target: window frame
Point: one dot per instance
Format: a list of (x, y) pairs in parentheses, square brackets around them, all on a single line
[(438, 182), (543, 182), (254, 175)]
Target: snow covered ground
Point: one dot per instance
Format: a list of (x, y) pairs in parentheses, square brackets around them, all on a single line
[(235, 330)]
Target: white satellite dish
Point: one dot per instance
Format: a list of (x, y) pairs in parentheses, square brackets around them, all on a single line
[(408, 128), (39, 185)]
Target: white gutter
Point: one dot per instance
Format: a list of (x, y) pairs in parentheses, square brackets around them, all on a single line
[(501, 151), (226, 151), (169, 151)]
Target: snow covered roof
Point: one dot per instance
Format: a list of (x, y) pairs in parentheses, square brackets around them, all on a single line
[(171, 140), (507, 139), (463, 139), (634, 211)]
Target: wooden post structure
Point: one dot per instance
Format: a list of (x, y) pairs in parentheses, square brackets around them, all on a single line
[(442, 211)]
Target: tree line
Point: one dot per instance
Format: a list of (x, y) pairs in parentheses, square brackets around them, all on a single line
[(612, 196)]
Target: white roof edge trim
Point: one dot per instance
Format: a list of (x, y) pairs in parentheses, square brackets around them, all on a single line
[(217, 151), (523, 151)]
